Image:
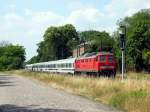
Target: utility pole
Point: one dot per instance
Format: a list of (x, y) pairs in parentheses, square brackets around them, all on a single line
[(122, 46)]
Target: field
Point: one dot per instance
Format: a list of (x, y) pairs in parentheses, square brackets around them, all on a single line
[(131, 95)]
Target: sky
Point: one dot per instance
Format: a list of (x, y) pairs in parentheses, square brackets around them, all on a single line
[(24, 22)]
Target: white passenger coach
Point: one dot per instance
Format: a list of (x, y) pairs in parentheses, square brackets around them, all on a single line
[(59, 66)]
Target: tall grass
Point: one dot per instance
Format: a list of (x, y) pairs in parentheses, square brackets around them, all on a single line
[(132, 94)]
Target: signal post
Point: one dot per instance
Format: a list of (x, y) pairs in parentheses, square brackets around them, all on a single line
[(122, 33)]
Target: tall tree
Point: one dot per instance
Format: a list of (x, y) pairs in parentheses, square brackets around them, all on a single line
[(58, 43), (138, 39)]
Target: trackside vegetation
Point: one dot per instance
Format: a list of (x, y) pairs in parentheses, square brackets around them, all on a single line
[(131, 95)]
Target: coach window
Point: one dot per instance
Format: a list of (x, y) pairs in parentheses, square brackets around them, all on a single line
[(65, 65), (69, 65)]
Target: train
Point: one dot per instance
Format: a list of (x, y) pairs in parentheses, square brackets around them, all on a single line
[(99, 64)]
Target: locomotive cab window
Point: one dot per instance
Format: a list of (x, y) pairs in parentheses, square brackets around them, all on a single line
[(102, 58), (110, 58)]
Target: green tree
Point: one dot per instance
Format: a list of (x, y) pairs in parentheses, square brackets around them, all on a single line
[(58, 43), (11, 56), (137, 39)]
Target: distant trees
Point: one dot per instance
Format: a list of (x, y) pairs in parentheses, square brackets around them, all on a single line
[(96, 39), (11, 56), (137, 41)]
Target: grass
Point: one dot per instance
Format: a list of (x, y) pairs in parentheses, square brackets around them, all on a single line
[(132, 94)]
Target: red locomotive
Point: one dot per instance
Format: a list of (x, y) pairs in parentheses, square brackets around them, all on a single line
[(102, 63)]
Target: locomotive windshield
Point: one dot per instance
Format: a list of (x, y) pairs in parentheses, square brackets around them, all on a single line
[(110, 58), (102, 58)]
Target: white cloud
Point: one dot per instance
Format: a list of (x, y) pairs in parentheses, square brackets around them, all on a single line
[(12, 7), (90, 15), (76, 5), (84, 18), (12, 19), (124, 8), (45, 17), (136, 5)]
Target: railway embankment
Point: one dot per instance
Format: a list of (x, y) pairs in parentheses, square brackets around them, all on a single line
[(132, 94)]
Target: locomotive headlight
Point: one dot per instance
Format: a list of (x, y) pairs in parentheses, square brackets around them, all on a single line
[(105, 67)]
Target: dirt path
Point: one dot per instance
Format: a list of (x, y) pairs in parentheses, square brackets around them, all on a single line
[(18, 94)]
